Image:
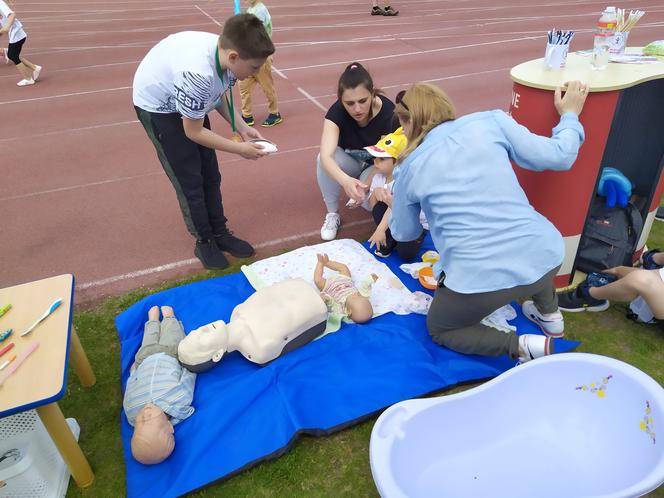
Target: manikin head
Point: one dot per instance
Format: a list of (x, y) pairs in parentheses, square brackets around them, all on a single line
[(359, 308), (204, 347), (153, 440)]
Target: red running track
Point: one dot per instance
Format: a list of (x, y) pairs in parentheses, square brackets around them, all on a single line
[(82, 192)]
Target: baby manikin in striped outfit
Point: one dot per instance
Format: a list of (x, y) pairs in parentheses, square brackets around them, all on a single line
[(159, 391)]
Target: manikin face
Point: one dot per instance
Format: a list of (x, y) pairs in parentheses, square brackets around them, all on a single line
[(357, 102), (243, 68), (153, 439)]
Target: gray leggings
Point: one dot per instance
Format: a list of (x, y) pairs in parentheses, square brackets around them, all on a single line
[(328, 185), (454, 319), (161, 337)]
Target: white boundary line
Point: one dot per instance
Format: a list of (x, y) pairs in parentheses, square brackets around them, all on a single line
[(48, 97), (208, 16), (187, 262), (311, 99)]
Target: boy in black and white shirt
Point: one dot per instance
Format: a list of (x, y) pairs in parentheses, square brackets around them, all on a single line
[(179, 81)]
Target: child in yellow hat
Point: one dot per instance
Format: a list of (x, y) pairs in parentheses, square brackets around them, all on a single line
[(385, 154)]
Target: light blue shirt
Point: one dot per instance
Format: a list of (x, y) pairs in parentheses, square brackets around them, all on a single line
[(162, 381), (488, 235)]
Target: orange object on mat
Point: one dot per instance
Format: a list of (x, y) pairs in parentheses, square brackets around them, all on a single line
[(427, 279)]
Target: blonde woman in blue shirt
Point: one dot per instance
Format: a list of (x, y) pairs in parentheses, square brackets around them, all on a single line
[(494, 247)]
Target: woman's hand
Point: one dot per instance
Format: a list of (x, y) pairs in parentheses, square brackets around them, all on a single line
[(378, 239), (355, 189), (574, 99), (383, 194)]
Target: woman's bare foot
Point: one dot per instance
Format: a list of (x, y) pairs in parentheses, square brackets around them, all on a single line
[(153, 314), (167, 312)]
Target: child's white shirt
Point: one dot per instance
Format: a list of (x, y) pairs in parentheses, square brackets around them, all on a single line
[(179, 75), (16, 32), (380, 180), (260, 11)]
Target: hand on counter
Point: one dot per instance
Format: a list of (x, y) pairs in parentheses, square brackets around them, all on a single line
[(575, 96)]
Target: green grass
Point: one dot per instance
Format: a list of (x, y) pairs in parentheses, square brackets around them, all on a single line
[(337, 465)]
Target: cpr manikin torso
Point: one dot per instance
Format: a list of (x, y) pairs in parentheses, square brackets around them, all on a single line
[(271, 322)]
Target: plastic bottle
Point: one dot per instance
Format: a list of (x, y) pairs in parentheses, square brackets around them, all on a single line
[(606, 29)]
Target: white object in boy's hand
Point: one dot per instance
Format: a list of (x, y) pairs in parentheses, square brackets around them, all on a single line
[(268, 146), (352, 203)]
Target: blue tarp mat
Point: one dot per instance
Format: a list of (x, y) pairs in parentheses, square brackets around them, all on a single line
[(246, 413)]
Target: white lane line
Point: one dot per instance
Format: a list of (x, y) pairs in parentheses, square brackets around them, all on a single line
[(68, 130), (279, 73), (48, 97), (418, 52), (78, 68), (312, 99), (191, 261), (82, 185), (208, 16)]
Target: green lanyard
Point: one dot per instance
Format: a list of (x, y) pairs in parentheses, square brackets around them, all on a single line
[(229, 102)]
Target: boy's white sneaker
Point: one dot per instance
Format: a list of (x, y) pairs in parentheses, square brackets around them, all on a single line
[(26, 82), (552, 324), (36, 73), (533, 346), (330, 226)]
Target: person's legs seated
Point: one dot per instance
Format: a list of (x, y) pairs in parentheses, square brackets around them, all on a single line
[(580, 299)]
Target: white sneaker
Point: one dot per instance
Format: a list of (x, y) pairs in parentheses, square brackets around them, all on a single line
[(36, 73), (4, 51), (533, 346), (26, 82), (552, 324), (330, 226)]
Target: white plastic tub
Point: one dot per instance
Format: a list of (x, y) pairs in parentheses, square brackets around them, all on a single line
[(565, 426)]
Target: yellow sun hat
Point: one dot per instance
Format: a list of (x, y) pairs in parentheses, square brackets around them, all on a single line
[(391, 145)]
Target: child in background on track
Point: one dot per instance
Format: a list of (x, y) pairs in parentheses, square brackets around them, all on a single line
[(385, 154), (339, 292), (263, 77), (385, 11), (17, 37)]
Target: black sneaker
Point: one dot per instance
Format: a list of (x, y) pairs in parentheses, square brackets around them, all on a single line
[(577, 300), (659, 215), (648, 261), (210, 255), (231, 244), (271, 120), (248, 119)]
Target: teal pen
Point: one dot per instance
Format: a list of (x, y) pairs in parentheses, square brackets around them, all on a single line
[(6, 334), (5, 309)]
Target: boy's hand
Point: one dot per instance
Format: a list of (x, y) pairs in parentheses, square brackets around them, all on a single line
[(250, 150), (248, 133)]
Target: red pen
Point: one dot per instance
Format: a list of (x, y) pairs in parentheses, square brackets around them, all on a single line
[(6, 348)]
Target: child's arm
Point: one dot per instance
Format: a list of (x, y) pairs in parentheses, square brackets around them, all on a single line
[(340, 267), (318, 273), (620, 271), (378, 238), (6, 27)]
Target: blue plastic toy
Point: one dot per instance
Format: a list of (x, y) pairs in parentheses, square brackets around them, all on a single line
[(615, 186)]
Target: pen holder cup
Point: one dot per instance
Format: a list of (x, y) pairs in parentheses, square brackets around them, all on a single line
[(555, 57), (618, 43)]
